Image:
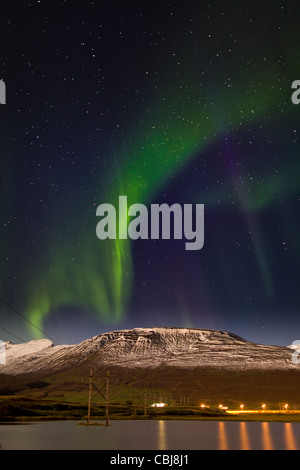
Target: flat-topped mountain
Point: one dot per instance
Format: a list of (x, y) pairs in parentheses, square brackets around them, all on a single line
[(148, 348)]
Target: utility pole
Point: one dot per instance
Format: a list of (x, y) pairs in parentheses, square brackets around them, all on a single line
[(107, 389), (135, 403), (90, 394), (145, 406)]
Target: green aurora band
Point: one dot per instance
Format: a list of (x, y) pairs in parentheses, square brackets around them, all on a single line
[(181, 121)]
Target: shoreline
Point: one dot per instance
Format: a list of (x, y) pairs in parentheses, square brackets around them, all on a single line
[(97, 420)]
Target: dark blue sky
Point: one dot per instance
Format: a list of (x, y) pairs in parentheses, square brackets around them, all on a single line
[(164, 102)]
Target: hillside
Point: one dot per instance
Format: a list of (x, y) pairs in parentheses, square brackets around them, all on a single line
[(148, 348)]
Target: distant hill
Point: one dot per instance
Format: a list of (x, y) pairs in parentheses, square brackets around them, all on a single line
[(200, 364), (148, 348)]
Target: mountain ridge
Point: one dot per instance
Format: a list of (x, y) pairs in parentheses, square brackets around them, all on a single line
[(148, 348)]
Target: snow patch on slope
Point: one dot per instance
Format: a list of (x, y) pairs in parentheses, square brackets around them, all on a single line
[(148, 348), (14, 351)]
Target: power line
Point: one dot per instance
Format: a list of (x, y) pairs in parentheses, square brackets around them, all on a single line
[(21, 315), (23, 342), (12, 334)]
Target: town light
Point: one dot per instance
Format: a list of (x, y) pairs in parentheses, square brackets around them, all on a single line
[(222, 407)]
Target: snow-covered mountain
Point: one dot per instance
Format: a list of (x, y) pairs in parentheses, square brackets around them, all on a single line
[(148, 348)]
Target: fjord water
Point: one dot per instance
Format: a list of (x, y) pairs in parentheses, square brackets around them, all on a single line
[(151, 435)]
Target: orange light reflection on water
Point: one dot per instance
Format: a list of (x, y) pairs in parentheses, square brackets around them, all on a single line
[(245, 443), (266, 436), (223, 443), (162, 437), (290, 441)]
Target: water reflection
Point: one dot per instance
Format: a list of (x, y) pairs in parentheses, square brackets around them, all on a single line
[(156, 435), (289, 437), (162, 438), (244, 436), (284, 436), (223, 442), (266, 436)]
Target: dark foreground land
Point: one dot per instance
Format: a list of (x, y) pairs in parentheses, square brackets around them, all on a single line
[(131, 392), (21, 409)]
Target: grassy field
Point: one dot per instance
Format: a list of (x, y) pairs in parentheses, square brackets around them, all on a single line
[(65, 395), (19, 408)]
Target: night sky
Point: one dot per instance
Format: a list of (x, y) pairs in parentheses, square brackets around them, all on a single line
[(166, 102)]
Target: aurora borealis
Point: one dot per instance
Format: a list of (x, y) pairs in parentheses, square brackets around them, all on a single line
[(178, 102)]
